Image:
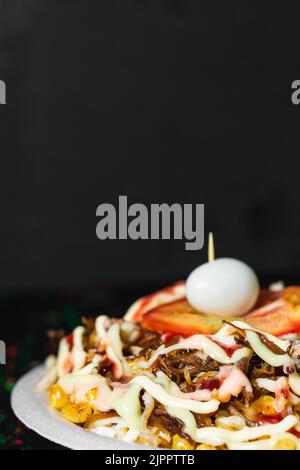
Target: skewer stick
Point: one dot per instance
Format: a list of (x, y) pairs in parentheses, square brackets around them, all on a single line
[(211, 247)]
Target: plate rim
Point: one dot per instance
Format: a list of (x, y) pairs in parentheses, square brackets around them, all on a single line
[(32, 409)]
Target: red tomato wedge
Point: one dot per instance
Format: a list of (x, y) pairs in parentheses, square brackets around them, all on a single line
[(179, 317), (277, 313)]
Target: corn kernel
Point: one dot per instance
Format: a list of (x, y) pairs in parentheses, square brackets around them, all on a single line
[(92, 394), (179, 443), (265, 405), (77, 412), (205, 447), (285, 444), (57, 397), (134, 366)]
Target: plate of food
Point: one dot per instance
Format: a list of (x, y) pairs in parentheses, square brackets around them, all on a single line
[(207, 364)]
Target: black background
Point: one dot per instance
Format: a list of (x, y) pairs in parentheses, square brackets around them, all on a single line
[(162, 101)]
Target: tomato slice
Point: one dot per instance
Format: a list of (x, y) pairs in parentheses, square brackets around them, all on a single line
[(179, 317), (277, 313), (281, 315)]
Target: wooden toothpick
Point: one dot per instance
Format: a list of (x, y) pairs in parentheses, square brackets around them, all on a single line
[(211, 247)]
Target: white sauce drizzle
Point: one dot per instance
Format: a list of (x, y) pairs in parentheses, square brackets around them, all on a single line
[(275, 360), (205, 345), (282, 344), (78, 353), (125, 398), (63, 357), (109, 335), (294, 383), (164, 296), (167, 399), (264, 444), (270, 385), (218, 436)]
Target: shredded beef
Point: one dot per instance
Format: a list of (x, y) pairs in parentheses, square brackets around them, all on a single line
[(146, 342), (180, 365), (162, 420), (270, 345)]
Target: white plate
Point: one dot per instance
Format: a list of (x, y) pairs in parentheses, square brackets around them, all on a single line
[(32, 409)]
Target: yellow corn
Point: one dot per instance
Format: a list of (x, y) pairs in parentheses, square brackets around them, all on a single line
[(205, 447), (57, 397), (91, 395), (77, 412), (285, 444), (265, 405), (179, 443)]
